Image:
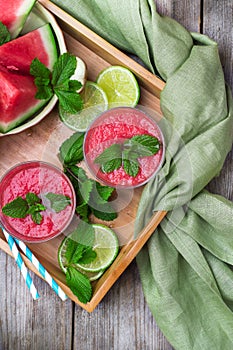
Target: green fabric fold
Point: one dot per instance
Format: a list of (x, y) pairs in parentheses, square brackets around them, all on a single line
[(185, 267)]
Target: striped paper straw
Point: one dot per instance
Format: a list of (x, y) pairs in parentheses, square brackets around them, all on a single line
[(21, 265), (48, 278)]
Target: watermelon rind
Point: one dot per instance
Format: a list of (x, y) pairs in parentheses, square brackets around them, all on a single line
[(21, 17), (50, 45), (21, 118)]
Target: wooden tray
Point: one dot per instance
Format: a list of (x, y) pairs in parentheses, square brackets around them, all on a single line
[(29, 145)]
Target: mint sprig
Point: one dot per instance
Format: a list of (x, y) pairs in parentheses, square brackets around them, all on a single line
[(32, 205), (20, 208), (4, 34), (90, 195), (79, 250), (127, 154), (58, 82)]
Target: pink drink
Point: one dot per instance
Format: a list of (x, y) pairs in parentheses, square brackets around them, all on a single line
[(114, 126), (39, 178)]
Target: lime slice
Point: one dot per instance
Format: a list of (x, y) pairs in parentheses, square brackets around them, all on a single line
[(63, 264), (106, 247), (120, 85), (94, 103)]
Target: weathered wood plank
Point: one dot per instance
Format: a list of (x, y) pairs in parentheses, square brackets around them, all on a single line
[(218, 25), (186, 12), (121, 321), (31, 325)]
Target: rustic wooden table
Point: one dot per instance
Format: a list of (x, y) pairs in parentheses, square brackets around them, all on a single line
[(122, 320)]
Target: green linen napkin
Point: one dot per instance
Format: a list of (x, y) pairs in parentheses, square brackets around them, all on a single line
[(185, 266)]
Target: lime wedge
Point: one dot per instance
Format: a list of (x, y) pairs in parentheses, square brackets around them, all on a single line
[(94, 103), (120, 86), (106, 247)]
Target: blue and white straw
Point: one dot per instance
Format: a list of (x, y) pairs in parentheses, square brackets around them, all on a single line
[(20, 263), (48, 278)]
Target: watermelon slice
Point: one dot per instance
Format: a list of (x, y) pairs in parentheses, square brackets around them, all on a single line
[(18, 54), (16, 99), (14, 14), (17, 88)]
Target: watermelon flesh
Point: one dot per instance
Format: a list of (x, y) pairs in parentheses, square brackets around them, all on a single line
[(14, 13), (18, 54), (17, 88)]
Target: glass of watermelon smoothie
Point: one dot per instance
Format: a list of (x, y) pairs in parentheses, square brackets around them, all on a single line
[(115, 126), (39, 178)]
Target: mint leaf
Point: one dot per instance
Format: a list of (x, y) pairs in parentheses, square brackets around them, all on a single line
[(74, 85), (69, 101), (85, 189), (71, 151), (58, 202), (63, 69), (74, 251), (4, 34), (44, 90), (111, 165), (88, 256), (79, 284), (18, 208), (37, 217), (32, 198), (71, 248), (134, 150), (110, 159), (39, 70), (84, 234), (42, 79), (104, 212), (110, 153), (131, 167), (78, 172), (148, 142), (83, 211), (64, 88), (104, 191)]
